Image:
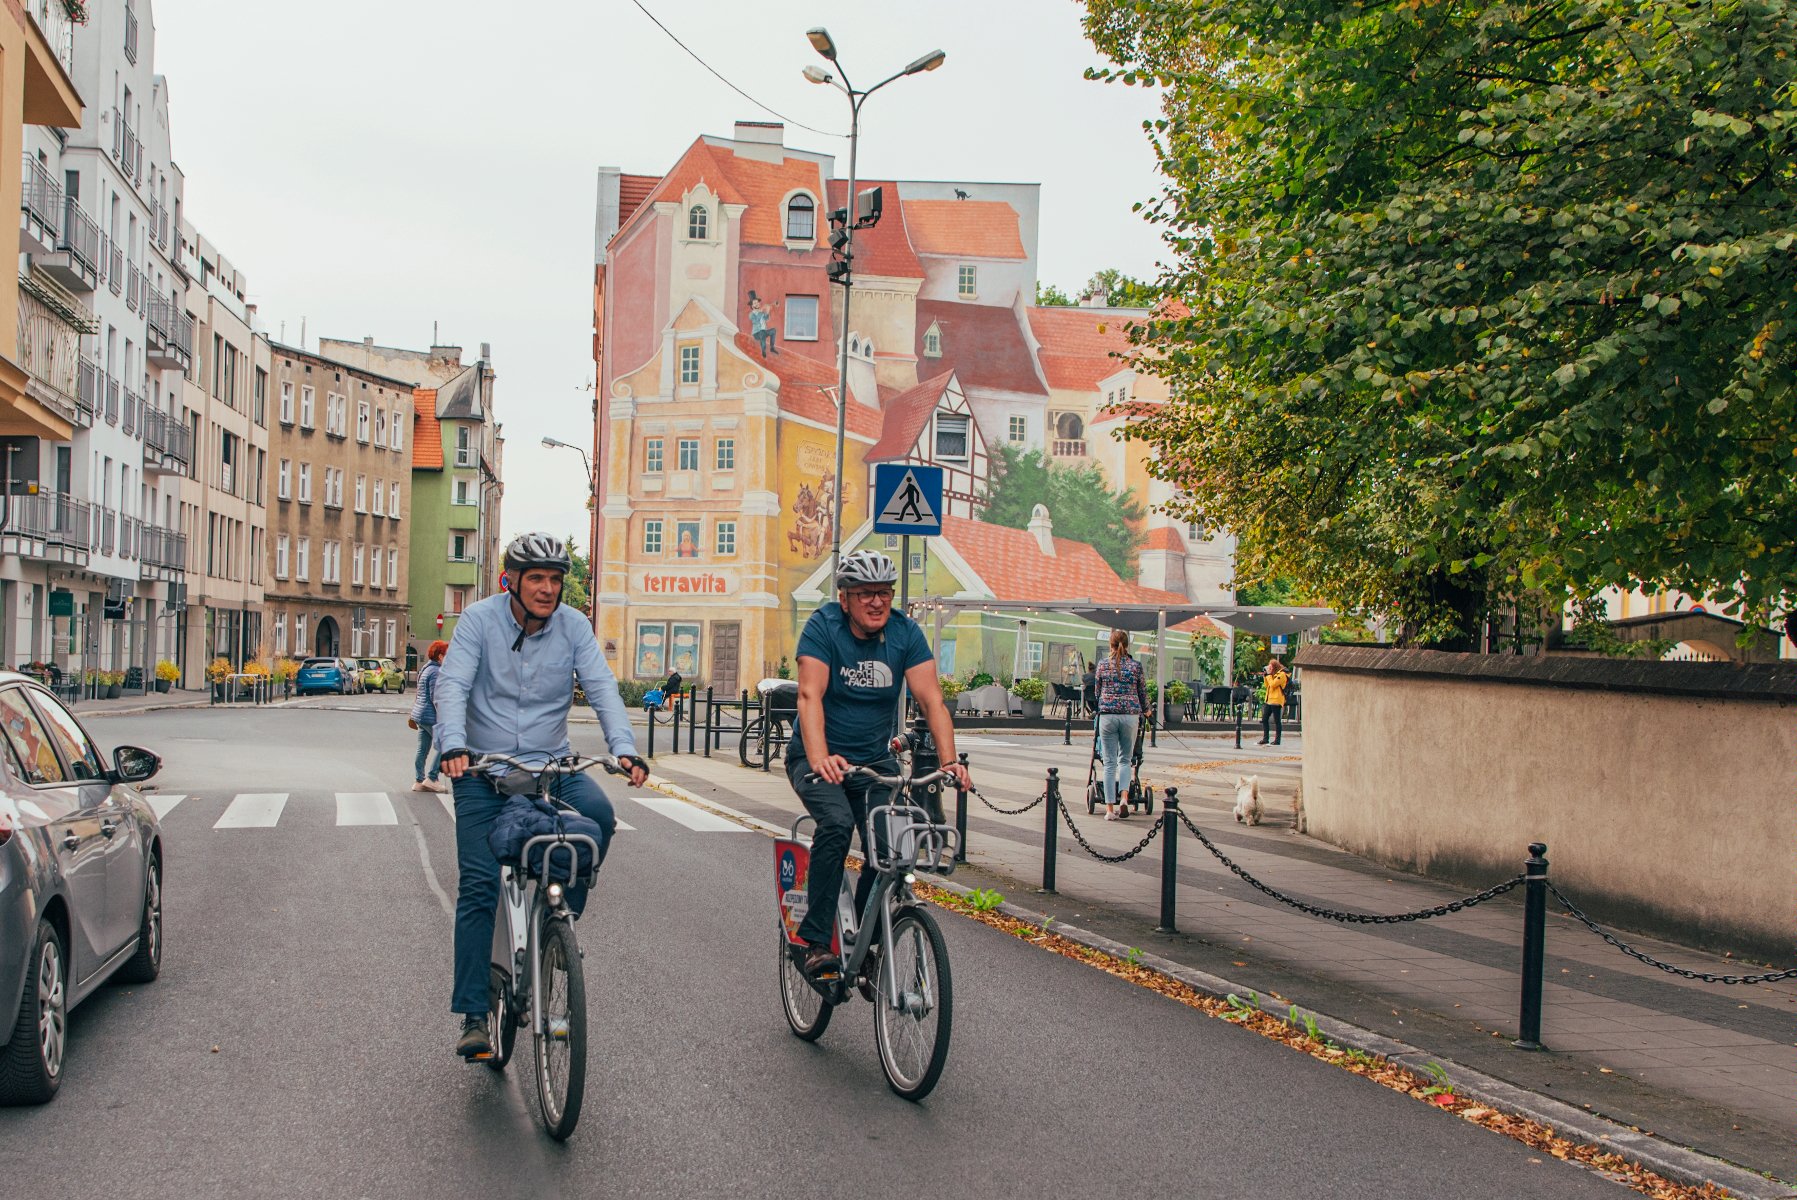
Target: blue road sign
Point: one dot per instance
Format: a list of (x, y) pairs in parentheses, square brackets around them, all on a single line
[(907, 499)]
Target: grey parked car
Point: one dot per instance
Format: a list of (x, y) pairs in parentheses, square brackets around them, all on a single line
[(80, 880)]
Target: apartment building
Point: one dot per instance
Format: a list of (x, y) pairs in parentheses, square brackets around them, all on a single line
[(340, 534), (458, 452)]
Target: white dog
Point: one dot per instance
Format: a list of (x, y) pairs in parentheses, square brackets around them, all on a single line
[(1247, 799)]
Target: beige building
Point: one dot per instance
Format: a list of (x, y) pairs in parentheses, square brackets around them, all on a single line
[(224, 498), (339, 535)]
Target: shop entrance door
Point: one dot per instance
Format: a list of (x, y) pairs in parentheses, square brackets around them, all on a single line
[(726, 636)]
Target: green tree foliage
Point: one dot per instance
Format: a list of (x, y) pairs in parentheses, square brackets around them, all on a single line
[(1120, 290), (1050, 296), (574, 585), (1079, 501), (1486, 298)]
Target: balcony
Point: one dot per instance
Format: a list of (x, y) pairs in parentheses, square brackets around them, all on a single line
[(40, 208), (134, 287), (49, 349), (128, 531), (162, 553), (127, 151), (76, 261), (1069, 447), (49, 64), (115, 268), (171, 335), (87, 390), (49, 526), (131, 34), (109, 530), (134, 404), (168, 444), (112, 401)]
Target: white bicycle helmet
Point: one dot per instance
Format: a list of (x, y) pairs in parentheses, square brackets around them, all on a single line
[(864, 567), (541, 551)]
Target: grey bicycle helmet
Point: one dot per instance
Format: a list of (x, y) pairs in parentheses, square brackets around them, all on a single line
[(864, 567), (540, 551)]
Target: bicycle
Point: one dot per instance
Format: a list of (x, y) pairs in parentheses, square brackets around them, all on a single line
[(536, 980), (908, 981)]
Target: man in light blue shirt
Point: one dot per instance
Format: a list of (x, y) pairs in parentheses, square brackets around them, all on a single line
[(505, 687)]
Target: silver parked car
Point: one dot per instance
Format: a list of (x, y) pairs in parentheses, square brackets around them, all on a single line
[(80, 880)]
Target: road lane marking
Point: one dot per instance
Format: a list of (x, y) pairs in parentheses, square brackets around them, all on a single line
[(253, 810), (163, 804), (365, 808), (688, 815)]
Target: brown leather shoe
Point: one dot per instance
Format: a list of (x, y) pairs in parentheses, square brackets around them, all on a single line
[(820, 964)]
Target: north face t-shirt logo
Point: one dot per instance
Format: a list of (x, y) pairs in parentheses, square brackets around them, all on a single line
[(868, 673)]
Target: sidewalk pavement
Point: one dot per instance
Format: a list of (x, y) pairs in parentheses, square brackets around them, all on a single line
[(148, 702), (1709, 1066)]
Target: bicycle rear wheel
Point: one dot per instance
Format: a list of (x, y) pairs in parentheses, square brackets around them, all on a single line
[(502, 1022), (749, 747), (561, 1045), (912, 1027), (806, 1010)]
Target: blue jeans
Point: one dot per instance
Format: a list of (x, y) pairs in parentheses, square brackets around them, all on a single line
[(425, 757), (477, 888), (1117, 742)]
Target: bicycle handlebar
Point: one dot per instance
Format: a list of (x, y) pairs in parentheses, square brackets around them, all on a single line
[(570, 764)]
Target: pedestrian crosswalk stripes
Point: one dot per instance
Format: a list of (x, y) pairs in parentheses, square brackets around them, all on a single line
[(265, 810), (689, 815), (253, 810), (365, 808), (163, 804)]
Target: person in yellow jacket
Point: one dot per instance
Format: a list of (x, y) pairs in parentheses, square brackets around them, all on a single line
[(1270, 713)]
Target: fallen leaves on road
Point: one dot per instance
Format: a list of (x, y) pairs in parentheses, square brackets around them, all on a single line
[(1531, 1133)]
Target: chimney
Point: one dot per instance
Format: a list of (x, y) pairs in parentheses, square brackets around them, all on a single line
[(1042, 529), (1095, 300), (767, 133), (863, 385), (368, 341)]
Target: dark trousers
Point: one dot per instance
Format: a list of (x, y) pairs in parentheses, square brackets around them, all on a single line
[(1272, 716), (426, 755), (477, 888), (840, 809)]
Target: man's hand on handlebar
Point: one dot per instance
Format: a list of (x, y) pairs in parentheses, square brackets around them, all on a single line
[(636, 768), (453, 763), (958, 772), (831, 768)]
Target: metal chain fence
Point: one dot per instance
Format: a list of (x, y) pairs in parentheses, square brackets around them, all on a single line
[(1704, 976), (1008, 812), (1153, 832), (1331, 914)]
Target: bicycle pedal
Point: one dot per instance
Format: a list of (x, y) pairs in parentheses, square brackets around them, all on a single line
[(486, 1057), (558, 1029)]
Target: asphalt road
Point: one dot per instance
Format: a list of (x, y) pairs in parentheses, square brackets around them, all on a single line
[(298, 1042)]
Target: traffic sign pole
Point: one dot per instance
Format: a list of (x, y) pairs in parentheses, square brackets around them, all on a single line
[(904, 607)]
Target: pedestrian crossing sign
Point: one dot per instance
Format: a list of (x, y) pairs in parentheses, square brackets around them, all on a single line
[(907, 499)]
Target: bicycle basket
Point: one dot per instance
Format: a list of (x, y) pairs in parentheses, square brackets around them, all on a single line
[(523, 819), (914, 841)]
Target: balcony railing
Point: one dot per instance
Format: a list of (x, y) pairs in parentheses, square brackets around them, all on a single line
[(115, 268), (134, 287), (161, 226), (87, 388), (50, 517), (41, 201), (57, 24), (171, 334), (50, 351), (81, 238), (131, 34), (159, 547), (133, 405), (128, 528), (109, 531), (112, 401), (165, 434), (1069, 447), (127, 151)]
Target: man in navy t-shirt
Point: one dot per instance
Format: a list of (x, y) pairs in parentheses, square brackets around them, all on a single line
[(853, 655)]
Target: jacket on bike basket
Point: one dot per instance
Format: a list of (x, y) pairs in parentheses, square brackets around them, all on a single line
[(525, 817)]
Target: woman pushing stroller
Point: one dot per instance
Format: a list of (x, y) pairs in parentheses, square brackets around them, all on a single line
[(1122, 699)]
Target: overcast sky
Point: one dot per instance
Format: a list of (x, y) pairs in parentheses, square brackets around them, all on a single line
[(375, 167)]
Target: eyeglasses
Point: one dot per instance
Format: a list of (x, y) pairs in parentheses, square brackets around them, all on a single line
[(871, 597)]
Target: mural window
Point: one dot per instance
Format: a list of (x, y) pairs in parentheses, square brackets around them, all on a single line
[(1019, 429), (726, 456), (892, 541), (726, 542), (917, 562), (967, 281), (698, 223), (651, 649), (686, 539), (1182, 669), (683, 655), (945, 656), (951, 436), (801, 219), (801, 318), (1032, 658), (652, 536), (652, 456), (686, 453), (689, 364), (932, 342)]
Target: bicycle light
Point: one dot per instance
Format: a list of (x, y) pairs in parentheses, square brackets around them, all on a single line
[(910, 878), (555, 895)]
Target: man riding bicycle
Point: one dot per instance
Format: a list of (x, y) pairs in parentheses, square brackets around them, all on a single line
[(852, 656), (506, 687)]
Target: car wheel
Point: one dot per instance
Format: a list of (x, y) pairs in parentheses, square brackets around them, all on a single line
[(146, 964), (31, 1063)]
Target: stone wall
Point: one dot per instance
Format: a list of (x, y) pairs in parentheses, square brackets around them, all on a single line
[(1664, 791)]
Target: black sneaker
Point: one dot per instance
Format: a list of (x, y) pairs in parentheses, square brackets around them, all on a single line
[(474, 1042), (821, 964)]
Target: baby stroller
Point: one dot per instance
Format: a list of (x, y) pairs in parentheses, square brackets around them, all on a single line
[(1139, 795)]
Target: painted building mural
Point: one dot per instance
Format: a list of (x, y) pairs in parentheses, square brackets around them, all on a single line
[(716, 342)]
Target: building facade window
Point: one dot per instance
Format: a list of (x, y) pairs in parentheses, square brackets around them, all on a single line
[(392, 637), (801, 219), (689, 364), (801, 318), (307, 396), (464, 447), (967, 282), (398, 440), (464, 492), (951, 437), (458, 548), (380, 498), (305, 483), (280, 633), (361, 493), (698, 223), (380, 427), (652, 456), (286, 409), (362, 421), (652, 536), (688, 455), (393, 501), (356, 570), (281, 556), (456, 599), (726, 455), (302, 560), (726, 539), (374, 567), (393, 570), (1019, 429), (284, 480)]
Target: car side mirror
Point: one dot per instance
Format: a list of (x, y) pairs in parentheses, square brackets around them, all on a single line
[(133, 764)]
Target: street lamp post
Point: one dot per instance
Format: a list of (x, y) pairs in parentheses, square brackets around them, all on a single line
[(821, 42), (592, 525)]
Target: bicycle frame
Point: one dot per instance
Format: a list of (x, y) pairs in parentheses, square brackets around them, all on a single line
[(518, 934)]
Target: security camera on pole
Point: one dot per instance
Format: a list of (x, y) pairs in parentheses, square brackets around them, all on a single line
[(843, 223)]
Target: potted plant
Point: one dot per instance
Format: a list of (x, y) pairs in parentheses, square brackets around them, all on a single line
[(114, 681), (217, 671), (166, 674), (1030, 691), (951, 687), (1179, 694), (282, 673)]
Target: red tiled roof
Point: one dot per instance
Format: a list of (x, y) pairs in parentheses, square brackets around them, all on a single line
[(984, 344), (701, 162), (1014, 567), (886, 248), (764, 186), (427, 434), (1125, 412), (1164, 538), (632, 191), (802, 390), (906, 415), (1078, 345), (964, 228)]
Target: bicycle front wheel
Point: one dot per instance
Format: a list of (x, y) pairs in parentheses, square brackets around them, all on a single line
[(806, 1009), (913, 1021), (561, 1044)]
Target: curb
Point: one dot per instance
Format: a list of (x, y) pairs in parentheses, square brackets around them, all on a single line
[(140, 710), (1678, 1163)]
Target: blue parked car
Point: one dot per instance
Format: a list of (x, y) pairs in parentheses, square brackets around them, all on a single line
[(326, 675)]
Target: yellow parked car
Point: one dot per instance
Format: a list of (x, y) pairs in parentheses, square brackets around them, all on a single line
[(381, 675)]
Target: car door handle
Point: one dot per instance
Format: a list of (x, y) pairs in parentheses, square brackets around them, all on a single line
[(70, 841), (109, 828)]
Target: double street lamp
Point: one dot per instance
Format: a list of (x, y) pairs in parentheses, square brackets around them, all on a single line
[(843, 240), (592, 523)]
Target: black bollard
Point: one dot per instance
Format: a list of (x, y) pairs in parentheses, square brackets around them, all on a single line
[(692, 718), (674, 716), (1238, 724), (1051, 813), (767, 735), (650, 713), (711, 720), (1534, 944), (1067, 731), (1169, 859), (961, 817)]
